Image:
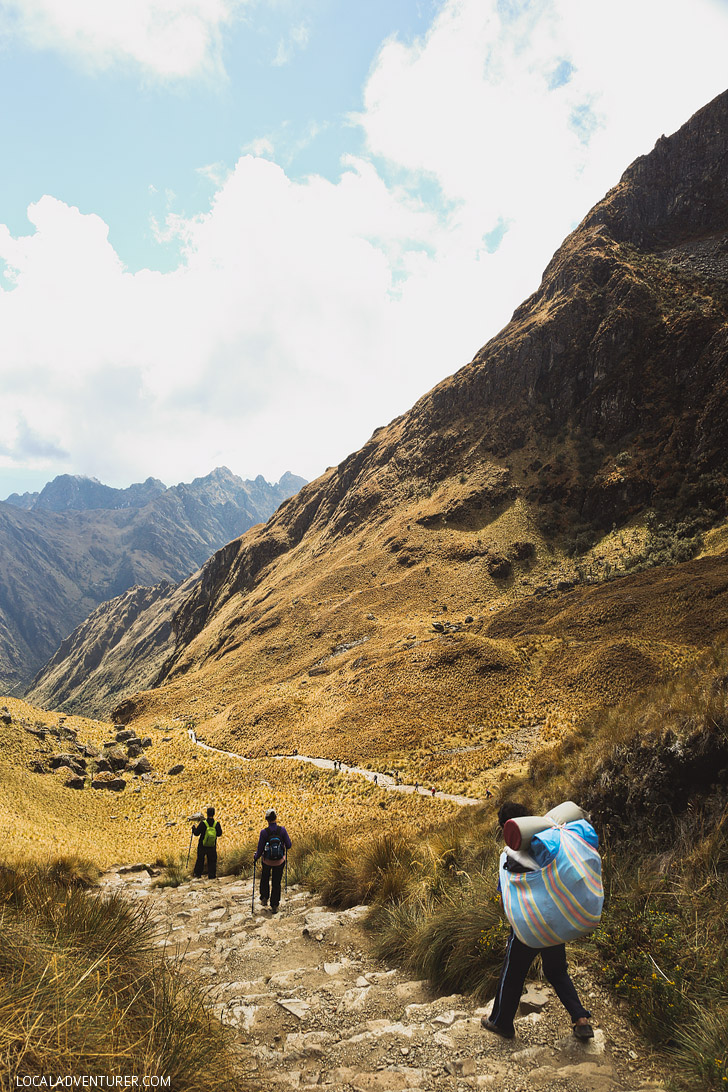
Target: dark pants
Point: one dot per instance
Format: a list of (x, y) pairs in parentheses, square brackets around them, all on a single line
[(211, 853), (518, 959), (270, 883)]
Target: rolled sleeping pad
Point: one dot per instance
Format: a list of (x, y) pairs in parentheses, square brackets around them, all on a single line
[(545, 845), (568, 812), (519, 832)]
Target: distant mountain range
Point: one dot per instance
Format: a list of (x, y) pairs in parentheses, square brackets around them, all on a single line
[(78, 542), (73, 492)]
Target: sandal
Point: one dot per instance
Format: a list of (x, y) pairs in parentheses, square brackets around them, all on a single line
[(583, 1031)]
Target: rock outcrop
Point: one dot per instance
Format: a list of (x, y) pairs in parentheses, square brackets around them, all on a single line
[(58, 750)]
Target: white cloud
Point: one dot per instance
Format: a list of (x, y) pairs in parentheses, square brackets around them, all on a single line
[(528, 112), (274, 344), (296, 40), (168, 39), (303, 314)]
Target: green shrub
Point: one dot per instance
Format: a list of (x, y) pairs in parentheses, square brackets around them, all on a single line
[(643, 955)]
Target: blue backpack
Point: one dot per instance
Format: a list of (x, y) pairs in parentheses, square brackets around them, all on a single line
[(274, 849)]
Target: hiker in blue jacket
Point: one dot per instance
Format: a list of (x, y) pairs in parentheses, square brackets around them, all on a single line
[(273, 844), (518, 959)]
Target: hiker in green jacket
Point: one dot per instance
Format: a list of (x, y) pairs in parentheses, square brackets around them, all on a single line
[(209, 831)]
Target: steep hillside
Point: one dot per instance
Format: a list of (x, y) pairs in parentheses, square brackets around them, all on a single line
[(65, 555), (120, 647), (446, 595)]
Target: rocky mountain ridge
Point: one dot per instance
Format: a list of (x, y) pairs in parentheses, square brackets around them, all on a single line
[(79, 493), (527, 475), (63, 557)]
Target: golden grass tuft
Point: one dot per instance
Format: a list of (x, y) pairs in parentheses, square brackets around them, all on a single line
[(84, 990)]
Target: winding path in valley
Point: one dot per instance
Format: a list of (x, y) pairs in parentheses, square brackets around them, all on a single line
[(380, 779)]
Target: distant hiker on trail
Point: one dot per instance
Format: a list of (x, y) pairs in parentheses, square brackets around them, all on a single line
[(519, 957), (432, 791), (273, 844), (209, 831), (376, 779)]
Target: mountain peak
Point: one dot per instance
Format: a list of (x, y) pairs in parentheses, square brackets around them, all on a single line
[(76, 492), (676, 192)]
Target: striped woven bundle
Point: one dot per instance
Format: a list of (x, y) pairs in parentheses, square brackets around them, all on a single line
[(557, 903)]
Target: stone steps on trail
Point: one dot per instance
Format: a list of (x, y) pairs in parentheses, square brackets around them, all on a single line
[(313, 1009)]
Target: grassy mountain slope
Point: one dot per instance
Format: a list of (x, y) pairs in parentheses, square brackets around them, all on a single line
[(446, 597), (525, 575), (531, 469)]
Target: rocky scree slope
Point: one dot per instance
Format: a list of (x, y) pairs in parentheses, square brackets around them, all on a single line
[(81, 543), (604, 396)]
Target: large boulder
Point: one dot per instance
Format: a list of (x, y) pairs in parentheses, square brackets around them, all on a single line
[(113, 784), (72, 762), (116, 758), (141, 766)]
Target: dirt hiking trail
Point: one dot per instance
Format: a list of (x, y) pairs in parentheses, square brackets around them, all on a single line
[(314, 1010), (384, 780)]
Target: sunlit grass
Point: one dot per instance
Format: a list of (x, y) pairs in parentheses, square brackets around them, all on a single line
[(84, 990)]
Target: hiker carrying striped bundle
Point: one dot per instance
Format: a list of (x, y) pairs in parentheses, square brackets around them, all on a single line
[(551, 885)]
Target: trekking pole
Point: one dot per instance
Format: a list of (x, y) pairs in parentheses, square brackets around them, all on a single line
[(189, 848), (286, 875), (252, 900)]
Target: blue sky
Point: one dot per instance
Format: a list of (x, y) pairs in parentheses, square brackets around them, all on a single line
[(252, 231), (129, 147)]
